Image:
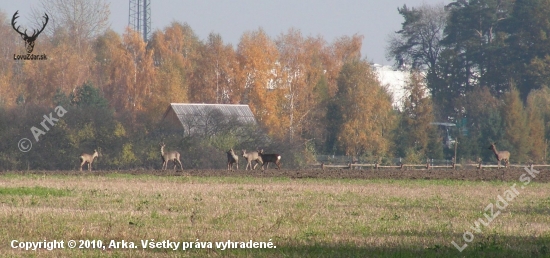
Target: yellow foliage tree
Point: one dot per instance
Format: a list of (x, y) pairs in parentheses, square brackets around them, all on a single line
[(301, 69), (365, 109)]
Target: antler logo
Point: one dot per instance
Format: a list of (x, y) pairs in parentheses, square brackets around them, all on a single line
[(29, 40)]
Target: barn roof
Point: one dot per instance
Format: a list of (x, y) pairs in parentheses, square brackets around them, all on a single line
[(185, 111)]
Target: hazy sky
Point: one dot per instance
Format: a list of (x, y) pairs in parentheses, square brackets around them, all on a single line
[(374, 19)]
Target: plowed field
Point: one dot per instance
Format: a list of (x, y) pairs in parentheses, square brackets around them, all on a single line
[(509, 174)]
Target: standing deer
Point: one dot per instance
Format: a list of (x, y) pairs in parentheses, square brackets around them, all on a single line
[(232, 158), (273, 158), (169, 156), (87, 158), (500, 155), (252, 156)]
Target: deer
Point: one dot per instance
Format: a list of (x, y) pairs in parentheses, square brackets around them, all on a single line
[(29, 40), (500, 155), (250, 157), (88, 158), (273, 158), (173, 156), (232, 158)]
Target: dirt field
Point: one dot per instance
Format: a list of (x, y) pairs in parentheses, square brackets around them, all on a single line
[(508, 175)]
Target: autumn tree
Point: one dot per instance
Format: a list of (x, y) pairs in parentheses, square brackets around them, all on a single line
[(129, 74), (363, 116), (175, 53), (10, 72), (214, 78), (301, 69), (257, 55), (334, 56), (108, 50)]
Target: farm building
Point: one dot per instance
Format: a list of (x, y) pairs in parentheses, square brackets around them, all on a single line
[(205, 119)]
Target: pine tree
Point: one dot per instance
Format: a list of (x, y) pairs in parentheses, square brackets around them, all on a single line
[(416, 130)]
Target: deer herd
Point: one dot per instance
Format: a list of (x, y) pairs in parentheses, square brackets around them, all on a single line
[(257, 157)]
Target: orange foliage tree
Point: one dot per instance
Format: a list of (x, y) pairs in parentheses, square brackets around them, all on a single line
[(214, 79), (257, 55), (175, 52)]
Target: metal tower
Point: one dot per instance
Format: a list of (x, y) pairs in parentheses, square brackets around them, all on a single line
[(140, 17)]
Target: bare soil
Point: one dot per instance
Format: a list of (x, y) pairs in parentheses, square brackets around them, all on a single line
[(508, 175)]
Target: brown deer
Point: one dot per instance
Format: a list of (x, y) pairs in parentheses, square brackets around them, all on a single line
[(500, 155), (29, 40), (273, 158), (232, 158), (173, 156), (87, 158), (250, 157)]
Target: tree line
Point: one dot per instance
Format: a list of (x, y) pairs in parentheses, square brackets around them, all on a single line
[(486, 66), (309, 96)]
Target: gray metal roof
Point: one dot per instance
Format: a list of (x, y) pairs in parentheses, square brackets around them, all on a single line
[(185, 111)]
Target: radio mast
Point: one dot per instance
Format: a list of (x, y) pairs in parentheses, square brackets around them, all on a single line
[(139, 18)]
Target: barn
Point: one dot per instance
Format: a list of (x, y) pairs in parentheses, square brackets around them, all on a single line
[(205, 119)]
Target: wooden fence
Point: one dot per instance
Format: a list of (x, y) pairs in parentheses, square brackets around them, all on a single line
[(421, 166)]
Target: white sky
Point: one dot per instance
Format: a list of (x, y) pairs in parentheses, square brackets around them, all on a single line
[(374, 19)]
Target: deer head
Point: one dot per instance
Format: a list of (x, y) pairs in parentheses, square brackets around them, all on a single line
[(29, 40)]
